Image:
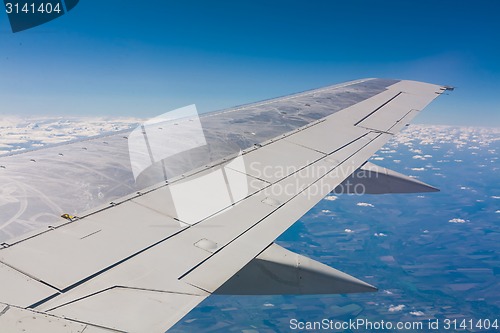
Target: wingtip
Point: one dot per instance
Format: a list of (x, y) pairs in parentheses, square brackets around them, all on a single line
[(369, 288), (431, 188)]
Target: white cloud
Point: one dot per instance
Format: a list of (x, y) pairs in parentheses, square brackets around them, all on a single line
[(457, 220), (380, 234), (418, 169), (331, 198), (495, 197), (326, 211), (417, 313), (348, 230), (41, 131), (364, 204), (396, 308)]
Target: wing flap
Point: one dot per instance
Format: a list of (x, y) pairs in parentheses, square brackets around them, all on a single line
[(334, 136), (14, 319), (277, 160), (18, 283), (90, 245), (132, 310)]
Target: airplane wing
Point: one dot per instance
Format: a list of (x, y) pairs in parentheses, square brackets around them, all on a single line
[(193, 227)]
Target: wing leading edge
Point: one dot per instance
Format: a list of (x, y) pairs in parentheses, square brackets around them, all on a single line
[(138, 266)]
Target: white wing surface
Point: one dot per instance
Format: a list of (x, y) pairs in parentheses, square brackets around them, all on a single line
[(141, 263)]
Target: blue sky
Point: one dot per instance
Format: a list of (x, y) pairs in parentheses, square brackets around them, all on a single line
[(130, 58)]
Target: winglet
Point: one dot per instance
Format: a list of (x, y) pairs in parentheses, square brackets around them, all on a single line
[(278, 271)]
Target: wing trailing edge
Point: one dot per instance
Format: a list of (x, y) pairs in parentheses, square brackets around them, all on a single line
[(278, 271), (373, 179)]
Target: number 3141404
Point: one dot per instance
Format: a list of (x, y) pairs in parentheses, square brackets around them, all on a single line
[(31, 8)]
